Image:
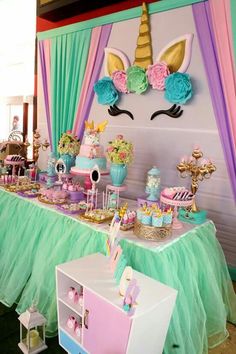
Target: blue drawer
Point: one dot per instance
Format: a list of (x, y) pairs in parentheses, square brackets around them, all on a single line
[(69, 344)]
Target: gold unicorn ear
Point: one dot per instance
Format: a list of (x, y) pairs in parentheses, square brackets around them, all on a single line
[(115, 60), (143, 52), (177, 54)]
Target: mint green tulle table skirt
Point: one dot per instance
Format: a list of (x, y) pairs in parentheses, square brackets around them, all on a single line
[(35, 238)]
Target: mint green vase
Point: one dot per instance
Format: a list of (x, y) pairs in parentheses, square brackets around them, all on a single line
[(118, 173), (69, 161)]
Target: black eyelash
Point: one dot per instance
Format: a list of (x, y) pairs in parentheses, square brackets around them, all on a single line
[(173, 112), (116, 111)]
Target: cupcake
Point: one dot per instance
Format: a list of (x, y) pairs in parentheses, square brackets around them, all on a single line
[(72, 188), (78, 187), (140, 213), (125, 219), (130, 217), (133, 215), (48, 193), (147, 218), (157, 219), (167, 216), (58, 195)]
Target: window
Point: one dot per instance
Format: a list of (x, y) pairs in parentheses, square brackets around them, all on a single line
[(17, 55), (12, 111)]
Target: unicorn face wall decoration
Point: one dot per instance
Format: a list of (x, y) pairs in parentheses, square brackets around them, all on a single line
[(167, 73)]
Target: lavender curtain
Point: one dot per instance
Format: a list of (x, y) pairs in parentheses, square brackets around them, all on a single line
[(202, 17), (44, 53)]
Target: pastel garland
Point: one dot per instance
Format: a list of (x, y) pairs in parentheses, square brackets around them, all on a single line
[(177, 85)]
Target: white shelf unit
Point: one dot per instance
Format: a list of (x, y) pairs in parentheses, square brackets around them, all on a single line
[(106, 327), (64, 283)]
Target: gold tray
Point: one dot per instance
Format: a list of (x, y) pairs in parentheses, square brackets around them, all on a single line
[(21, 188), (152, 233), (126, 227), (45, 201), (10, 188), (85, 218)]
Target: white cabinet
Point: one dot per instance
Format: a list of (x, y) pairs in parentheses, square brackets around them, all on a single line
[(96, 322)]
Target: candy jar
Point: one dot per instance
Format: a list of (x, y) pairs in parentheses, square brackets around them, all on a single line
[(113, 201), (51, 164), (153, 184)]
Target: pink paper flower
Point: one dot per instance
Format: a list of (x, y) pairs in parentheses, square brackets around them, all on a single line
[(156, 74), (120, 137), (110, 149), (122, 155), (119, 78)]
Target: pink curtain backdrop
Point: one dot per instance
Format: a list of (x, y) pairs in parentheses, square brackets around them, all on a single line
[(95, 37), (221, 21), (203, 21), (96, 55)]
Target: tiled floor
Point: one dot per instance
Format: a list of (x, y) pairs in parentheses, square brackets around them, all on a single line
[(9, 336), (229, 346)]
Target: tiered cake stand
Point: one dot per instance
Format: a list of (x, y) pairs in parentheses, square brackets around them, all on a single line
[(14, 164), (176, 203)]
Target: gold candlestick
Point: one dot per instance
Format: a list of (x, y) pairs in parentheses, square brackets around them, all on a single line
[(37, 144), (197, 169)]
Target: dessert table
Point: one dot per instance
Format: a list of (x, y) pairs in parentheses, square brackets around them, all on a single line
[(34, 238)]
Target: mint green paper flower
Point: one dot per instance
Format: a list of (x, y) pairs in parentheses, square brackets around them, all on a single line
[(178, 88), (136, 79), (106, 91)]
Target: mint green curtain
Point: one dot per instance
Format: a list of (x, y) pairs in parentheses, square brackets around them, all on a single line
[(159, 6), (69, 54), (34, 239), (233, 15)]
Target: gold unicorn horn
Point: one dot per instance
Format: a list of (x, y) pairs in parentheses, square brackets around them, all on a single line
[(143, 52)]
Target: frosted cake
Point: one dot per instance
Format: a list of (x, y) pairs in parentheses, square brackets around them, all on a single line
[(91, 152)]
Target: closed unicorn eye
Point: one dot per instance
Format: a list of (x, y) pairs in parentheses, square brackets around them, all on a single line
[(173, 112), (116, 111)]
